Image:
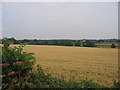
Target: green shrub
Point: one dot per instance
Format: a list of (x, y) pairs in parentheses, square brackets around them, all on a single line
[(116, 84), (113, 45), (16, 65), (40, 80)]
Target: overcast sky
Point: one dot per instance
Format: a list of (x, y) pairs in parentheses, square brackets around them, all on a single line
[(50, 20)]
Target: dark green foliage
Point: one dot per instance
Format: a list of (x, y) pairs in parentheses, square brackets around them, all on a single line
[(88, 84), (77, 44), (84, 44), (113, 45), (66, 43), (11, 40), (16, 65), (41, 80), (54, 42), (80, 84), (116, 84), (88, 43)]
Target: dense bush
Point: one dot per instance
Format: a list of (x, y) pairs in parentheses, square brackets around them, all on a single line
[(16, 65), (40, 80), (116, 84), (113, 45)]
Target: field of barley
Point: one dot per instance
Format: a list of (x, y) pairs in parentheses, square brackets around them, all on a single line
[(78, 63)]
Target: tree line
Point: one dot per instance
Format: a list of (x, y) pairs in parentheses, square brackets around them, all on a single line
[(85, 43), (82, 43)]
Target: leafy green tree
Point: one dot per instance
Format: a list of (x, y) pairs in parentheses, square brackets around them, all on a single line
[(88, 43), (77, 44), (53, 42), (66, 43), (113, 45), (13, 40)]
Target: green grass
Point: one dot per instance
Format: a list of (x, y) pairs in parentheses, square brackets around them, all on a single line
[(105, 45)]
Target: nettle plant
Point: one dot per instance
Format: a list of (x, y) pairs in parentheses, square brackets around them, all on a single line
[(16, 66)]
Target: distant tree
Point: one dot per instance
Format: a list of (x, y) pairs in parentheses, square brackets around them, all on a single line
[(100, 41), (77, 44), (88, 43), (35, 40), (26, 41), (69, 43), (113, 45), (118, 40), (66, 43), (12, 40), (53, 42), (84, 44)]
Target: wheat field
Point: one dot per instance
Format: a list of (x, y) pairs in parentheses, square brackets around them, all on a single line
[(77, 63)]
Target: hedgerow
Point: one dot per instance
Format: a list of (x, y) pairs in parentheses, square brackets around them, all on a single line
[(16, 66)]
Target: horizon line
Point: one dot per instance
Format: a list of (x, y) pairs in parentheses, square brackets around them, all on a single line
[(61, 38)]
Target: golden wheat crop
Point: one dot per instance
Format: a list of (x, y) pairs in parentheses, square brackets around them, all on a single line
[(78, 63)]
